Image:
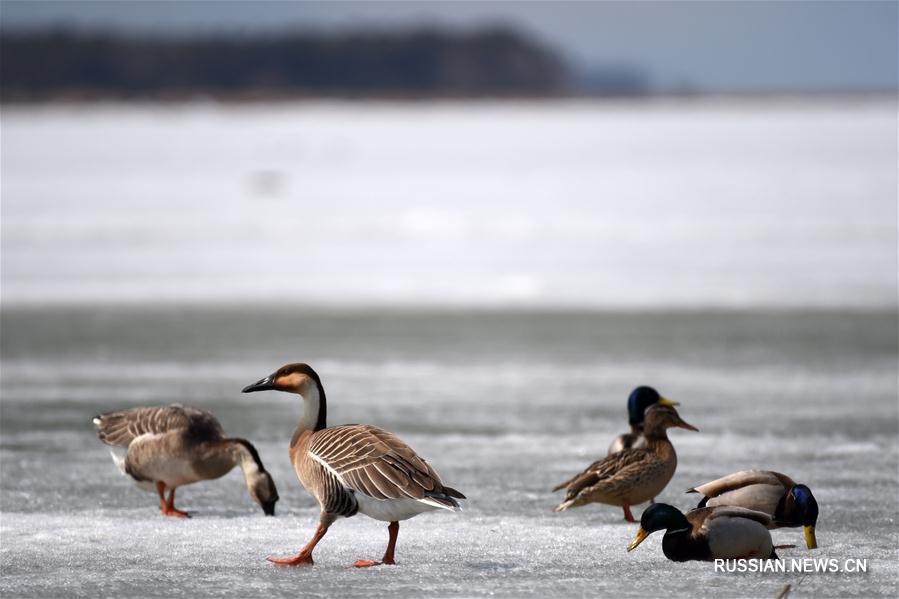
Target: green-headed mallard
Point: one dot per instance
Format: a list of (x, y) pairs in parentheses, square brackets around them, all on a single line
[(630, 476), (773, 493), (639, 399), (353, 468), (706, 534), (172, 446)]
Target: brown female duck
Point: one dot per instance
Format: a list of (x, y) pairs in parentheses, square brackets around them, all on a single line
[(630, 476)]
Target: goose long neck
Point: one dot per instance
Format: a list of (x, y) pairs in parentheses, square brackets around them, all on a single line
[(315, 408), (243, 454)]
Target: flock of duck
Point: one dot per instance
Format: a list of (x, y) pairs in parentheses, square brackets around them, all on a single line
[(359, 468)]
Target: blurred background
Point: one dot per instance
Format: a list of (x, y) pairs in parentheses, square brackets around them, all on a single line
[(483, 223)]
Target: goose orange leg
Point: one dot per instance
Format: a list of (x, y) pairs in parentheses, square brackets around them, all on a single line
[(627, 513), (160, 488), (387, 560), (168, 506), (304, 557)]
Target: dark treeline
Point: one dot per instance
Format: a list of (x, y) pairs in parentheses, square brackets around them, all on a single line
[(426, 63)]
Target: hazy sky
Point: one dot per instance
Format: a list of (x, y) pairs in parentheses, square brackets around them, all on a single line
[(729, 46)]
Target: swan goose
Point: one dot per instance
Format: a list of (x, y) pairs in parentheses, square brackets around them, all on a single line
[(353, 468), (171, 446)]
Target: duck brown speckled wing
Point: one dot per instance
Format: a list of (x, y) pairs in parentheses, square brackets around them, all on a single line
[(121, 428), (602, 469), (379, 464)]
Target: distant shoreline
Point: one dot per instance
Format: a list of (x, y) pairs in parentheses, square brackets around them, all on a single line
[(286, 99)]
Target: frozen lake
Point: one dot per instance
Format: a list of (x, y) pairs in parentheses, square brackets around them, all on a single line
[(487, 280), (505, 406), (660, 203)]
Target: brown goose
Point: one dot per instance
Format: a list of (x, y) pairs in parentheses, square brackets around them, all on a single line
[(171, 446), (353, 468), (630, 476)]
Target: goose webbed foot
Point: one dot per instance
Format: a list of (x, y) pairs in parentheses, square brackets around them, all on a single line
[(167, 505), (393, 530), (367, 563), (300, 559), (304, 557)]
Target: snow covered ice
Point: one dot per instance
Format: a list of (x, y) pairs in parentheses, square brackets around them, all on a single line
[(502, 417)]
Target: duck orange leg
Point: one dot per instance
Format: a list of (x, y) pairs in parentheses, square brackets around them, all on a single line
[(169, 508), (387, 560), (304, 557), (627, 513)]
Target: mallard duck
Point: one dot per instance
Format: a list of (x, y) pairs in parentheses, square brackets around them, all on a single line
[(637, 402), (171, 446), (706, 534), (630, 476), (773, 493), (353, 468)]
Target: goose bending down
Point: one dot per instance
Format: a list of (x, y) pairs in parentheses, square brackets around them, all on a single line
[(172, 446), (787, 503), (707, 534), (353, 468), (630, 476), (637, 403)]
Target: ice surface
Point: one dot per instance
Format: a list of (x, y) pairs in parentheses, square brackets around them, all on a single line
[(504, 405)]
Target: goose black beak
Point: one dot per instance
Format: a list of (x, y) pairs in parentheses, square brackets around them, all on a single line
[(266, 384), (269, 508)]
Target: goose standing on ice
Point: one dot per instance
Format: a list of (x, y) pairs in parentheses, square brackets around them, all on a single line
[(172, 446), (353, 468)]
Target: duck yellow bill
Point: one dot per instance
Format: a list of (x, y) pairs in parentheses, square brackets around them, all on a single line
[(641, 536), (668, 402), (810, 541)]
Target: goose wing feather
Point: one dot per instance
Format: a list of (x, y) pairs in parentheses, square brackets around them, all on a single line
[(123, 427), (379, 464)]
